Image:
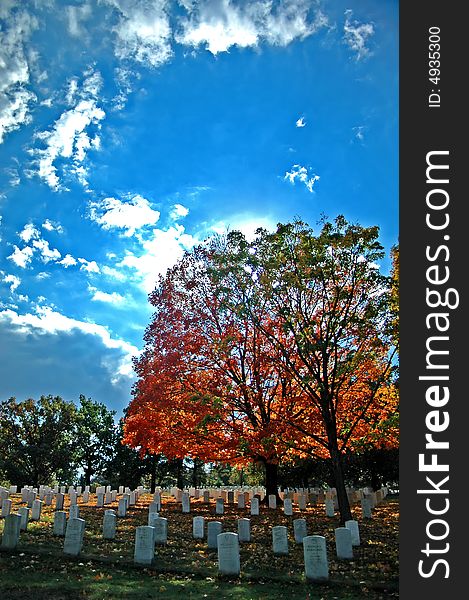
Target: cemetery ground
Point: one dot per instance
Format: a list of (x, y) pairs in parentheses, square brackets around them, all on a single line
[(105, 570)]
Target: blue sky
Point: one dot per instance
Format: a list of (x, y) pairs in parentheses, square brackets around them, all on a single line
[(131, 130)]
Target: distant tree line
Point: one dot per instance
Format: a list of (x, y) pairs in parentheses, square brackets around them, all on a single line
[(55, 441)]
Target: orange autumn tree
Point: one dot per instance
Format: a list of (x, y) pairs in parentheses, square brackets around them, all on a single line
[(331, 306), (209, 385)]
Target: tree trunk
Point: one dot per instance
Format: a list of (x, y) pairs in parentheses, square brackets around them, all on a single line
[(339, 484), (153, 473), (271, 481), (179, 473)]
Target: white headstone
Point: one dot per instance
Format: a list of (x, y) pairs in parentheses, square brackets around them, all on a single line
[(122, 507), (206, 495), (315, 557), (241, 501), (73, 497), (272, 501), (219, 507), (288, 507), (280, 539), (11, 531), (299, 530), (6, 507), (144, 545), (60, 522), (31, 497), (301, 501), (366, 507), (329, 504), (198, 524), (255, 506), (109, 525), (13, 489), (244, 530), (353, 526), (228, 554), (36, 510), (213, 529), (74, 511), (186, 504), (343, 543), (59, 501), (24, 514), (99, 500), (160, 525), (74, 536)]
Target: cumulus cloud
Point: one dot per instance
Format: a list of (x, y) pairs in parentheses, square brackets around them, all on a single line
[(110, 298), (159, 253), (68, 261), (302, 174), (90, 266), (130, 214), (221, 24), (178, 211), (46, 321), (13, 280), (301, 122), (143, 31), (21, 257), (16, 27), (73, 134), (356, 35), (29, 233), (46, 253)]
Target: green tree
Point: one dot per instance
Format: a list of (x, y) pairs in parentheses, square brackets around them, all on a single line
[(334, 334), (96, 437), (37, 440), (125, 466)]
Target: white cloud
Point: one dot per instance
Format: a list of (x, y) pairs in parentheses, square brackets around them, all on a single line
[(23, 257), (130, 215), (90, 266), (68, 261), (113, 273), (301, 122), (143, 31), (46, 252), (359, 132), (356, 35), (76, 15), (52, 226), (15, 98), (70, 137), (29, 233), (48, 321), (221, 24), (301, 173), (13, 280), (112, 298), (159, 253), (178, 211)]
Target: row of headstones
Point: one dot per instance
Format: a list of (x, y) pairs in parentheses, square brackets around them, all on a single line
[(330, 506), (227, 544)]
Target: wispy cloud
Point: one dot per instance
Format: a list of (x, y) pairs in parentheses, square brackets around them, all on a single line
[(13, 280), (301, 122), (110, 298), (130, 214), (302, 174), (218, 25), (356, 35), (16, 27), (143, 31), (74, 133)]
